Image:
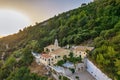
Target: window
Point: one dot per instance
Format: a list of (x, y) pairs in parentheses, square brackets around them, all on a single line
[(47, 50), (48, 59), (58, 56), (55, 57), (52, 59), (52, 49), (80, 55)]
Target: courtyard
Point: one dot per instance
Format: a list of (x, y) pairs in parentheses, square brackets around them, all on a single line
[(83, 75)]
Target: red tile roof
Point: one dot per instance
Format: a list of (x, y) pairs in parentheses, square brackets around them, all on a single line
[(46, 55)]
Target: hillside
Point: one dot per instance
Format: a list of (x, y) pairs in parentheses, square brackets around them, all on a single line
[(98, 21)]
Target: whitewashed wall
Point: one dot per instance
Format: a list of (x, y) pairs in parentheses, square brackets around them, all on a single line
[(93, 70)]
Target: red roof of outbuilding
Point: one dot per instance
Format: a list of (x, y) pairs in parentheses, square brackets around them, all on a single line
[(46, 55)]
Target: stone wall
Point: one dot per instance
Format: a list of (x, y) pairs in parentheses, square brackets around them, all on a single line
[(95, 72)]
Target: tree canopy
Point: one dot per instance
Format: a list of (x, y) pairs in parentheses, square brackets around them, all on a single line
[(98, 22)]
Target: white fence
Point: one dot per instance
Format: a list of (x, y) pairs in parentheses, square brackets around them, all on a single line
[(95, 72)]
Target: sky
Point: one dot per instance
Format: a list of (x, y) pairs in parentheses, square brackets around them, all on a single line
[(17, 14)]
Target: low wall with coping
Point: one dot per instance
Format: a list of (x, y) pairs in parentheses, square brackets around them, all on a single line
[(95, 72)]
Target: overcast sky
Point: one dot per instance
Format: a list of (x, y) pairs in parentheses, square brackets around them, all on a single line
[(30, 11)]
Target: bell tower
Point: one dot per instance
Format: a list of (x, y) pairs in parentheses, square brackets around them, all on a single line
[(56, 43)]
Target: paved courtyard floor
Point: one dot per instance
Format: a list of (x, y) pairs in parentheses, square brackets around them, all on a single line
[(84, 75)]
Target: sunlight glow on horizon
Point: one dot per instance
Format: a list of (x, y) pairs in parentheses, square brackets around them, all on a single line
[(12, 20), (23, 13)]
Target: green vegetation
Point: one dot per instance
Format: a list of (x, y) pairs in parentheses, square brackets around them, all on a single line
[(60, 63), (107, 52), (74, 59), (16, 66), (71, 58), (98, 21), (72, 70), (24, 74), (77, 77), (63, 78)]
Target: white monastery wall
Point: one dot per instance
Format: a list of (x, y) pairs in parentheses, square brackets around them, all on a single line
[(95, 72)]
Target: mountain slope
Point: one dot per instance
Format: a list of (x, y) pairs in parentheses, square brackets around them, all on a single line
[(98, 21)]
